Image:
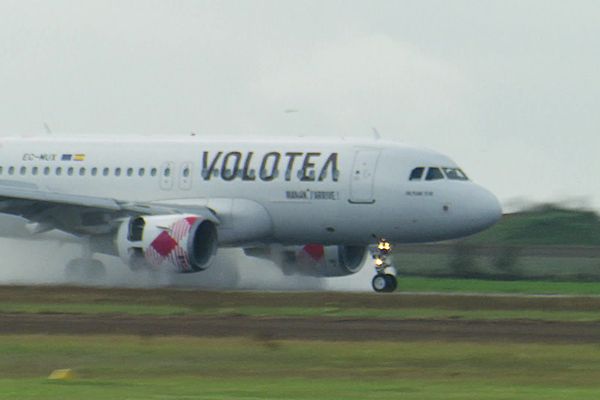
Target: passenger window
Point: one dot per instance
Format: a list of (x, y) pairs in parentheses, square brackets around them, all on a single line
[(416, 174), (141, 172), (58, 171), (70, 171), (34, 170), (434, 174), (117, 171), (94, 171), (11, 170), (167, 172), (46, 170), (129, 171), (23, 170), (82, 171), (186, 172), (105, 171), (153, 172), (1, 170)]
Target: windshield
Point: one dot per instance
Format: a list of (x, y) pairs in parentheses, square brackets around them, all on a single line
[(434, 174), (455, 174), (416, 174), (437, 173)]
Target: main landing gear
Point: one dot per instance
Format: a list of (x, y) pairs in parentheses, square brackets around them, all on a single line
[(85, 269), (82, 270), (383, 281)]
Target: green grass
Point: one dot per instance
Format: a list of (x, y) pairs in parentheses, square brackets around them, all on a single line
[(547, 225), (418, 313), (87, 308), (190, 368), (553, 268), (341, 305), (414, 284)]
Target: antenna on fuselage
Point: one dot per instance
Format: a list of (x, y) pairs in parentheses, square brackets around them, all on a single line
[(47, 129), (376, 134)]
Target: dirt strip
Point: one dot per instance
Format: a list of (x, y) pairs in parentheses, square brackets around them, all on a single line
[(329, 329), (203, 299)]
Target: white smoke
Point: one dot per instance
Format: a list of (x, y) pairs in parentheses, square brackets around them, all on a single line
[(43, 262)]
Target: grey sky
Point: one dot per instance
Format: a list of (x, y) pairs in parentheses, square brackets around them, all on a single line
[(509, 89)]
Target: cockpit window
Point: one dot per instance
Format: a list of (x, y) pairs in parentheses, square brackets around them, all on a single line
[(416, 174), (455, 174), (434, 174)]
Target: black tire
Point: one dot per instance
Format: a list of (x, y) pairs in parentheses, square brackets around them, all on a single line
[(81, 270), (95, 270), (74, 271), (380, 283), (392, 283)]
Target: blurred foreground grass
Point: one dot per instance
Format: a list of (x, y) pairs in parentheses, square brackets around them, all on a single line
[(109, 367)]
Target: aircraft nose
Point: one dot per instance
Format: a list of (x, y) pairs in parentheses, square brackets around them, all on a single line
[(487, 209)]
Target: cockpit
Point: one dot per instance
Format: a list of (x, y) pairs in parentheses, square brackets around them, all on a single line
[(437, 173)]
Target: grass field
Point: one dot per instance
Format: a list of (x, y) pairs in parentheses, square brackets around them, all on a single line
[(413, 284), (259, 367), (508, 244), (189, 368), (276, 311), (585, 306), (57, 300)]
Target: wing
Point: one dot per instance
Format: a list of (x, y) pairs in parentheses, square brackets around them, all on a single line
[(78, 214)]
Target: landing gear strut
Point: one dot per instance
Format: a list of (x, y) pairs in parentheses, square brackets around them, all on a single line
[(85, 269), (383, 281)]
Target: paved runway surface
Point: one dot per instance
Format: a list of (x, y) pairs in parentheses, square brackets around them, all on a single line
[(318, 328)]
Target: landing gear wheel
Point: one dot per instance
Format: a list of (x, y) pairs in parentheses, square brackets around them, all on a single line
[(96, 271), (81, 270), (384, 283), (381, 254), (392, 282)]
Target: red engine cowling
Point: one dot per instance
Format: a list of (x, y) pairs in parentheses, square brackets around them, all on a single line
[(184, 243), (313, 259)]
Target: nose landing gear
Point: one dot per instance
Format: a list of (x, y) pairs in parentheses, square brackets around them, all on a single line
[(385, 279)]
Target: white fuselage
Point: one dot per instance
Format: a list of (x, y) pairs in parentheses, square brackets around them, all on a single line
[(310, 190)]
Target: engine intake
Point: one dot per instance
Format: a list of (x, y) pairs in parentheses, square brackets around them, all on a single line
[(186, 243)]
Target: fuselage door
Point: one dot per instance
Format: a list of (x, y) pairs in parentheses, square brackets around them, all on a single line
[(185, 176), (363, 174), (166, 176)]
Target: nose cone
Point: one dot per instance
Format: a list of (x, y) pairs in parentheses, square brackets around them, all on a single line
[(484, 209)]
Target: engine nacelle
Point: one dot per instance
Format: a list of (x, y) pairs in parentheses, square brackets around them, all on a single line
[(313, 259), (185, 243)]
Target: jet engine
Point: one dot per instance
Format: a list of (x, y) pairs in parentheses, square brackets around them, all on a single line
[(313, 259), (184, 243)]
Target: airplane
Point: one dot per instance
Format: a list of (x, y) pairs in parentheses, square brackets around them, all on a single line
[(313, 206)]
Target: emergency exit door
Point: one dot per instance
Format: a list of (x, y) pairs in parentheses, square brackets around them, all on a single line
[(363, 174)]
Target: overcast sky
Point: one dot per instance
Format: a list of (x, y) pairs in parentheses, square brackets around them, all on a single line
[(509, 89)]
